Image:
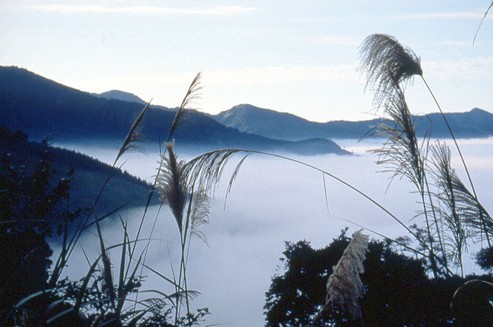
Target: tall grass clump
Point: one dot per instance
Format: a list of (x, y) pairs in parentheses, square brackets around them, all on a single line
[(111, 293), (190, 209), (450, 215), (389, 66)]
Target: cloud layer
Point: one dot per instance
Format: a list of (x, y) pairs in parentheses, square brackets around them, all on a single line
[(273, 201)]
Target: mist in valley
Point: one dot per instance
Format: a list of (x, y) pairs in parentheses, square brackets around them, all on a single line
[(271, 201)]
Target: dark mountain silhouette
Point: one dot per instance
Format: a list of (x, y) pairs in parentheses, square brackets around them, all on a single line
[(269, 123), (121, 95), (42, 107), (88, 174)]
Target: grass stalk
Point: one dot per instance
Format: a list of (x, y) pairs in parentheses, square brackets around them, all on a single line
[(481, 22), (461, 156), (191, 95)]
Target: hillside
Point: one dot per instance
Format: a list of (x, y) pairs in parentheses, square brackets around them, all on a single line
[(87, 178), (269, 123), (42, 107)]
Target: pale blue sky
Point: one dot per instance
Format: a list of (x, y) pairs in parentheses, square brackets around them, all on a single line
[(293, 56)]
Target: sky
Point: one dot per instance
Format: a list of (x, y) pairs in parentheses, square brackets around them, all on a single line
[(291, 56)]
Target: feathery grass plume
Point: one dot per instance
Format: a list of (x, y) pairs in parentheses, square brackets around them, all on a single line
[(192, 95), (169, 180), (134, 135), (404, 157), (387, 64), (451, 210), (171, 184), (401, 151), (474, 218), (204, 172), (200, 213), (344, 286)]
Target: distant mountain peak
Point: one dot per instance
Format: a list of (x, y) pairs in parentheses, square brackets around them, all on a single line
[(246, 107), (479, 111), (121, 95), (278, 125)]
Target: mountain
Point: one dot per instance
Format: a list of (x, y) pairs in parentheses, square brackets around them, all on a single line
[(121, 95), (250, 119), (269, 123), (42, 107), (88, 174)]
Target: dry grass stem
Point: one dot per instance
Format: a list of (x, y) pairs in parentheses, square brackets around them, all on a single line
[(481, 22)]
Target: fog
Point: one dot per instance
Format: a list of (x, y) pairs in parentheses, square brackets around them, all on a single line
[(272, 201)]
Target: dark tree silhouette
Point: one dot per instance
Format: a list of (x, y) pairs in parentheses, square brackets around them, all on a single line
[(399, 291), (31, 210)]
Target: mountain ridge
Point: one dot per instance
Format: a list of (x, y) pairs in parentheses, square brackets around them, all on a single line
[(269, 123), (42, 107), (45, 108)]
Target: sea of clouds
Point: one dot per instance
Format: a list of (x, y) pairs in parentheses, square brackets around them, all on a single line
[(272, 201)]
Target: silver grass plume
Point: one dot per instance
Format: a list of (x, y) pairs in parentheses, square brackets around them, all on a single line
[(204, 172), (466, 208), (401, 151), (171, 184), (200, 213), (405, 158), (134, 136), (388, 66), (447, 180), (191, 95), (344, 286), (387, 63)]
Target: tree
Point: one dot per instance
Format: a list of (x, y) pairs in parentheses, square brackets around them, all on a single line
[(31, 210), (399, 291)]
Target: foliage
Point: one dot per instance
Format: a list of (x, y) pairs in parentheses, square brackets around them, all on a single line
[(33, 208), (398, 290), (484, 259), (86, 173)]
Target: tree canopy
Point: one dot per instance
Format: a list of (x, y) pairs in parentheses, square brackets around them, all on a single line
[(399, 291)]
